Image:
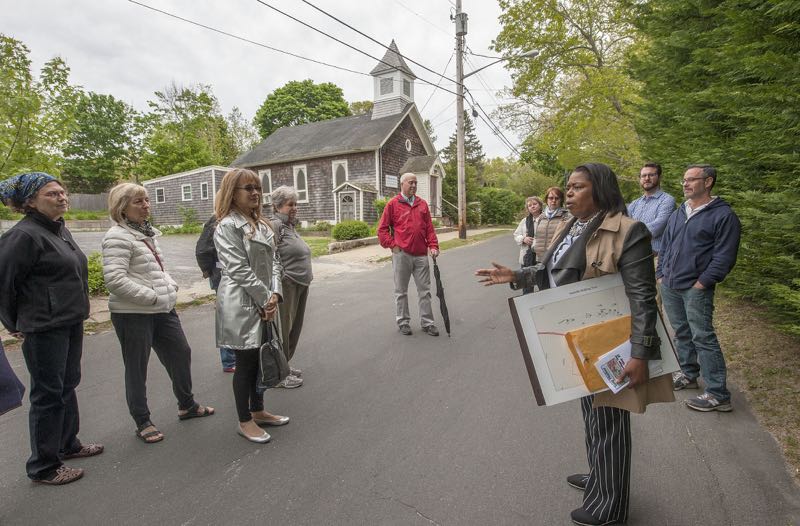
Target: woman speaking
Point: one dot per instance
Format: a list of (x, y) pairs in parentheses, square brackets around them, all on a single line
[(600, 239)]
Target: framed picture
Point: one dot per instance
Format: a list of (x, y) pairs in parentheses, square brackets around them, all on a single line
[(542, 320)]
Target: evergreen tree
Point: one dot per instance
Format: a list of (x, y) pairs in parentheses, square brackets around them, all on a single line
[(721, 85), (473, 150)]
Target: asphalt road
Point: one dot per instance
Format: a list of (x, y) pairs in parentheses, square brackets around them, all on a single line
[(178, 252), (388, 429)]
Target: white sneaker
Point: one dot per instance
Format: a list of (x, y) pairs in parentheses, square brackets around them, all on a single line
[(290, 382), (295, 372)]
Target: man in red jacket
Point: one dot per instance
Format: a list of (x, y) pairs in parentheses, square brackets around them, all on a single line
[(406, 228)]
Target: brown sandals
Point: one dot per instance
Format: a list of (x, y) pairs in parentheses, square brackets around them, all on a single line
[(86, 450), (63, 475)]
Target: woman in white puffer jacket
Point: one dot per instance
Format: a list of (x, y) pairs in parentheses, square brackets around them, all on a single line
[(142, 304)]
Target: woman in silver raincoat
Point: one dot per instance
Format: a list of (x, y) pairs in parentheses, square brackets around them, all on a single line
[(248, 293)]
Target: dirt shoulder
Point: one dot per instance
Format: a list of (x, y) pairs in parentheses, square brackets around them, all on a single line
[(765, 364)]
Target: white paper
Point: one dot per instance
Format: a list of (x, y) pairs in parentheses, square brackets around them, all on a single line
[(611, 364), (546, 315)]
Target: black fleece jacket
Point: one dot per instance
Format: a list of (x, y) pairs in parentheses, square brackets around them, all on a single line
[(44, 276)]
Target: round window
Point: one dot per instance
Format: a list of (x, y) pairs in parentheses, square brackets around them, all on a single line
[(408, 145)]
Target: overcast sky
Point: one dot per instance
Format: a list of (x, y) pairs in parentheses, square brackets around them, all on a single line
[(117, 47)]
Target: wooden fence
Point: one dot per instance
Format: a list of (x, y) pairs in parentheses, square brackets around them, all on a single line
[(88, 201)]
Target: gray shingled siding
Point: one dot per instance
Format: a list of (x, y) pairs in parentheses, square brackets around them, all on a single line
[(320, 206), (168, 212), (394, 154)]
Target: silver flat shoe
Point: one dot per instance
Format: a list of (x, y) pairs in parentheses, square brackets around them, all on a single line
[(281, 421), (263, 439)]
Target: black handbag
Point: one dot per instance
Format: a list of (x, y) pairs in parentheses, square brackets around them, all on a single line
[(274, 367), (529, 259)]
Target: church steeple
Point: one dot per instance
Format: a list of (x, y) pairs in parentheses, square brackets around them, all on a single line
[(393, 83)]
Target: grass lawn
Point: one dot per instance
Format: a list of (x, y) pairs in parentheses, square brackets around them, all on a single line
[(319, 245), (765, 364)]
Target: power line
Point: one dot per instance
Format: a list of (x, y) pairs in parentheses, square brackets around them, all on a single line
[(345, 43), (422, 17), (440, 80), (426, 68), (237, 37), (443, 110), (495, 129)]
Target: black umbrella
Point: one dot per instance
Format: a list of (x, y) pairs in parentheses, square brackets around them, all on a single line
[(440, 295)]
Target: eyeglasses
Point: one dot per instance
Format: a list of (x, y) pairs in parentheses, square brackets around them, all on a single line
[(689, 180), (56, 193), (249, 188), (645, 176)]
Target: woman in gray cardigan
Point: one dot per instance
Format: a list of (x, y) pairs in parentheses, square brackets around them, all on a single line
[(248, 293), (296, 261)]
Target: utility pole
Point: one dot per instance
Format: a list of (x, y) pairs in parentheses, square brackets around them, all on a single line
[(461, 31)]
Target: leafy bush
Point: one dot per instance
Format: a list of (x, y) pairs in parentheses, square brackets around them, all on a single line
[(767, 266), (97, 284), (7, 213), (190, 223), (350, 230), (380, 204), (189, 216), (499, 206), (183, 229), (86, 214)]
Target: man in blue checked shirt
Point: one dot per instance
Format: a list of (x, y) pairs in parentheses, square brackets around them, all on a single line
[(655, 206)]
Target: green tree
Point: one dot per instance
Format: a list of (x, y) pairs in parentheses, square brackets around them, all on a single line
[(473, 166), (98, 151), (520, 178), (187, 131), (36, 115), (722, 85), (300, 102), (429, 128), (360, 107), (242, 132), (473, 150), (575, 98)]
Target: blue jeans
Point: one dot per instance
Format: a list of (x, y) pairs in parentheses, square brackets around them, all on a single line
[(228, 357), (690, 313)]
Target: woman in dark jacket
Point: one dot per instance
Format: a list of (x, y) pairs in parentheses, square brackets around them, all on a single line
[(44, 279), (600, 239)]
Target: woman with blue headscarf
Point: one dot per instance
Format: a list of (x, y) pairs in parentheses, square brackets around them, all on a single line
[(44, 279)]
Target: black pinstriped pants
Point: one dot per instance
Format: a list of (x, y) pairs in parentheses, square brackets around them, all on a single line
[(608, 448)]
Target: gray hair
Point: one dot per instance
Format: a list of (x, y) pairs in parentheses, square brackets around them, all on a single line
[(281, 195), (120, 197), (406, 176)]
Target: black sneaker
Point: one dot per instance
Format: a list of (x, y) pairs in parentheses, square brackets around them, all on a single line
[(581, 517), (405, 329), (708, 402), (578, 481), (431, 329), (681, 381)]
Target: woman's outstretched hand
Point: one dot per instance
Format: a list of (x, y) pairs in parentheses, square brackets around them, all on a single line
[(495, 276)]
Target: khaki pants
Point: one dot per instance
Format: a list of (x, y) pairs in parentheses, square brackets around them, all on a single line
[(405, 265), (292, 311)]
